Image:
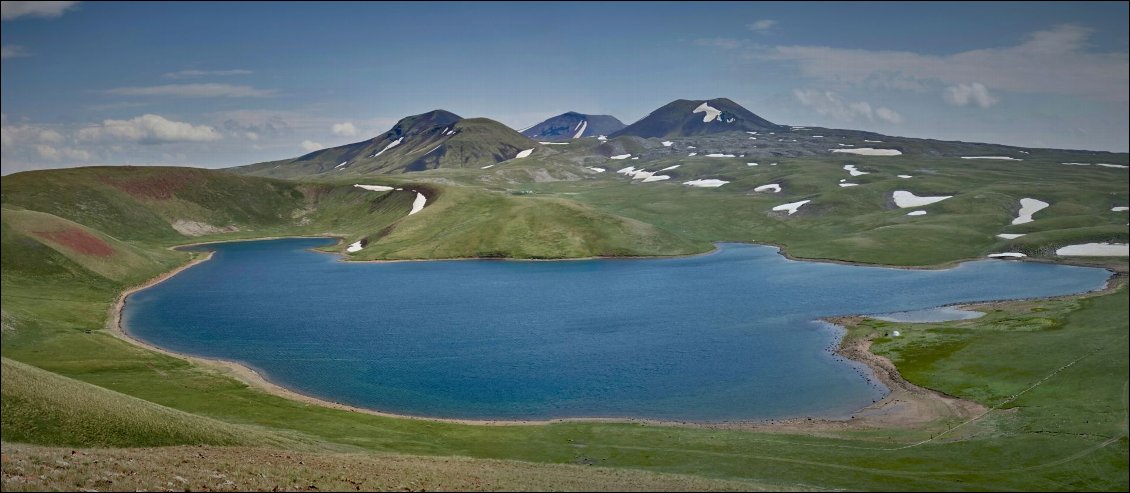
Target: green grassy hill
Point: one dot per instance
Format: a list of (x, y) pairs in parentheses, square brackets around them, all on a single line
[(1052, 372)]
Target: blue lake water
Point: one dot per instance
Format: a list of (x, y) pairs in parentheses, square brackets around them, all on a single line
[(727, 336)]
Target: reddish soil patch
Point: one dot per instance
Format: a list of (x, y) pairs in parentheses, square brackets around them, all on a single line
[(158, 187), (78, 240)]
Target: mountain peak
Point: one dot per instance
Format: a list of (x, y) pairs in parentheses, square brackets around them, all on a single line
[(686, 117), (423, 122), (573, 125)]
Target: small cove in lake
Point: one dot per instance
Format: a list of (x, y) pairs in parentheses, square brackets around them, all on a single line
[(732, 335)]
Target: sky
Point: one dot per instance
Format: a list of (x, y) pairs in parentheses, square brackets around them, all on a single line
[(219, 84)]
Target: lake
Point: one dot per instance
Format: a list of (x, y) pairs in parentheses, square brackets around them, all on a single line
[(732, 335)]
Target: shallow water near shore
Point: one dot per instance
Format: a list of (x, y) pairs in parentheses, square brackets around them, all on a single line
[(728, 336), (929, 315)]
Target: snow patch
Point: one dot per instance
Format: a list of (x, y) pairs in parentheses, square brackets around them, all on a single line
[(1027, 208), (389, 146), (418, 204), (751, 164), (1123, 166), (1007, 255), (620, 156), (791, 207), (584, 124), (711, 112), (1010, 236), (636, 174), (869, 151), (343, 163), (846, 184), (656, 178), (905, 176), (554, 143), (489, 166), (692, 154), (601, 138), (999, 158), (720, 155), (707, 183), (666, 143), (524, 153), (1095, 250), (374, 188), (1119, 209), (853, 171), (905, 199), (873, 141), (772, 187), (598, 170), (670, 167), (916, 213), (354, 247)]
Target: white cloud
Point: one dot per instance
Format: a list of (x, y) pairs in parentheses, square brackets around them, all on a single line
[(148, 129), (61, 153), (762, 26), (888, 115), (966, 94), (251, 135), (1052, 61), (12, 51), (344, 129), (192, 73), (13, 135), (13, 10), (311, 146), (50, 136), (830, 104), (194, 91)]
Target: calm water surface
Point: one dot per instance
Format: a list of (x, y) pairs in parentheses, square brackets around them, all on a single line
[(726, 336)]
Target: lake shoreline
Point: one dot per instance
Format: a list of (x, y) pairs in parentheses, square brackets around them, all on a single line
[(905, 405)]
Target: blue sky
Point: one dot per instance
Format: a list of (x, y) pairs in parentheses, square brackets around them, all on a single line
[(224, 84)]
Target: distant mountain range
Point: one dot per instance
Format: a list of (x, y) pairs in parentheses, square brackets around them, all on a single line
[(716, 127), (573, 125)]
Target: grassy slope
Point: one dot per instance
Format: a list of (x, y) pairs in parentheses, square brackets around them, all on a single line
[(467, 223), (54, 309), (861, 223), (43, 407), (30, 468)]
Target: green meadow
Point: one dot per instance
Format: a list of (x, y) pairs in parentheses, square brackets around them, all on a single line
[(1053, 373)]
